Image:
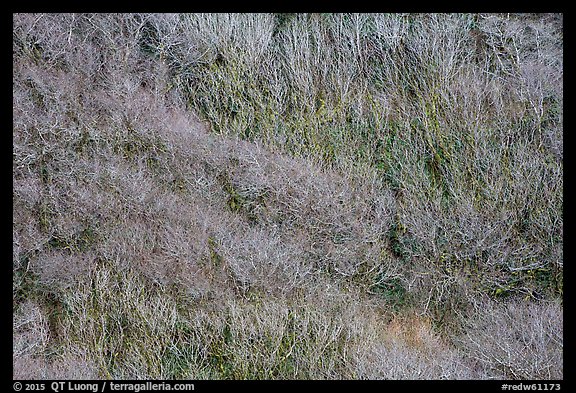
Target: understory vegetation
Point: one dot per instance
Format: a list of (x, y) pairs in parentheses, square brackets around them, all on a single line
[(287, 196)]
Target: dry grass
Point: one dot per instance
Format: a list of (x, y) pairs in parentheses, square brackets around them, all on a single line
[(287, 196)]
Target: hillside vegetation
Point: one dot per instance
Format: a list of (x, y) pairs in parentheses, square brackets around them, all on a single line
[(287, 196)]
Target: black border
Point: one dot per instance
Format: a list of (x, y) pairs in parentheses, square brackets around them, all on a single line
[(372, 6)]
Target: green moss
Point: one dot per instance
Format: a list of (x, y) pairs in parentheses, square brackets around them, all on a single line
[(215, 258), (133, 145), (392, 291), (402, 244), (220, 357), (36, 94), (45, 174), (180, 357), (178, 362), (78, 242), (539, 282), (25, 284), (44, 216), (282, 21), (246, 202), (86, 144), (285, 367)]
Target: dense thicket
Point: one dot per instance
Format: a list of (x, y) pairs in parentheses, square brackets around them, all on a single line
[(287, 196)]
